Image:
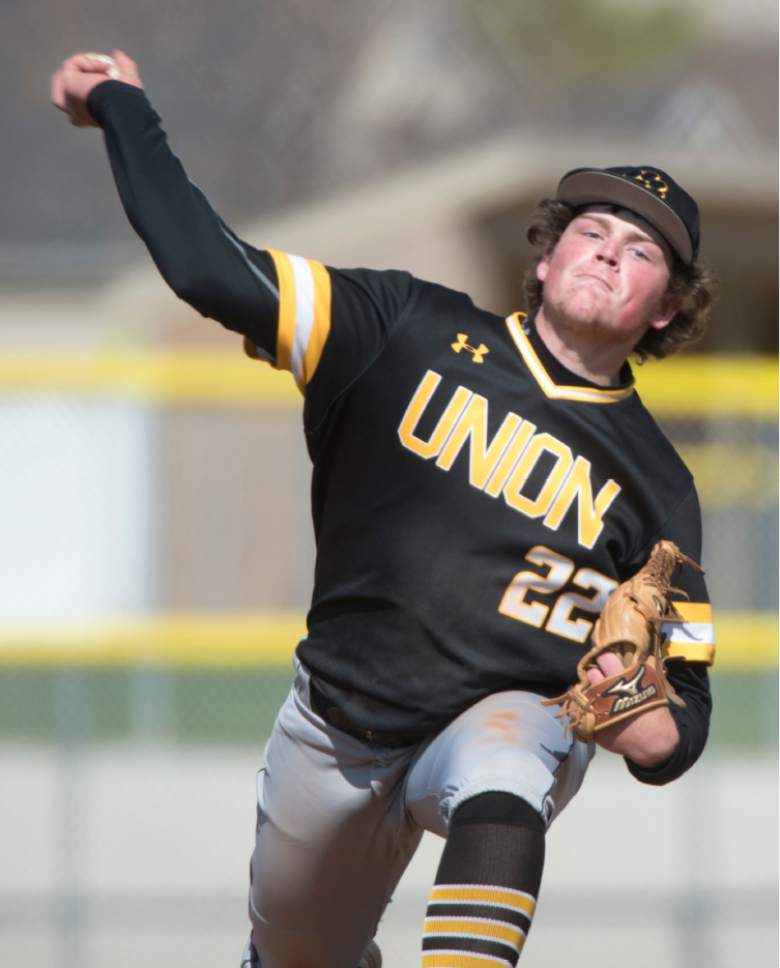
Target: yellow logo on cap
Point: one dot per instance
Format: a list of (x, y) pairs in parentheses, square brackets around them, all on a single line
[(653, 182)]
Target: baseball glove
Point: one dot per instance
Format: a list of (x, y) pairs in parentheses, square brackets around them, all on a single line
[(629, 626)]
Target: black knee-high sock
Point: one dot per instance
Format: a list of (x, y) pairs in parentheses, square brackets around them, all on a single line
[(486, 887)]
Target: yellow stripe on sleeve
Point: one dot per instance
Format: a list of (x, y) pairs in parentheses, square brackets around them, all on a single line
[(691, 652), (692, 639), (695, 611), (286, 332), (321, 325)]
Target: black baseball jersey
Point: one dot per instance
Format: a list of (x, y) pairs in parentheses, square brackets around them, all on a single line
[(474, 503)]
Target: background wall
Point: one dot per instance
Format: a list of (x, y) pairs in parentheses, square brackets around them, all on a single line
[(156, 558)]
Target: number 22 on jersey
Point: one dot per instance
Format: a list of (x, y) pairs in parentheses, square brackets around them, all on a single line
[(520, 598)]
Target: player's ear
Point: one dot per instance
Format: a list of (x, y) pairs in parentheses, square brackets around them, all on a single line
[(542, 267), (664, 315)]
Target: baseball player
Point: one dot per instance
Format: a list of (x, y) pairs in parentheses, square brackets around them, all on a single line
[(480, 487)]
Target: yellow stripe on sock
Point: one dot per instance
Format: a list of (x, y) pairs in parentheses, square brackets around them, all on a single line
[(476, 928), (470, 894), (444, 959)]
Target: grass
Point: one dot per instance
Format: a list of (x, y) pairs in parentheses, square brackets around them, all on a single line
[(93, 705)]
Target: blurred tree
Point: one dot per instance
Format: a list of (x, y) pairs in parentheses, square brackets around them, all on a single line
[(562, 42)]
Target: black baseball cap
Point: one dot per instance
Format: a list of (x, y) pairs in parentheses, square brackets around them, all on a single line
[(646, 190)]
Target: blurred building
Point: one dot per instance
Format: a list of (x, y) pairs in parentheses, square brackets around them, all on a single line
[(429, 129), (375, 133)]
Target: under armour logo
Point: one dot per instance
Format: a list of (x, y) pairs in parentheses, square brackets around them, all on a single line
[(653, 182), (478, 353)]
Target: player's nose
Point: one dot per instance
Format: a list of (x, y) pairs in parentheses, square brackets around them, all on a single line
[(608, 253)]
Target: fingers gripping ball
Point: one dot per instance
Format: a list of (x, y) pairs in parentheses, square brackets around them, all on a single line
[(113, 70), (630, 626)]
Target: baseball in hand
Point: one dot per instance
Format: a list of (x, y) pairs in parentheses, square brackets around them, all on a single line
[(76, 78), (113, 70)]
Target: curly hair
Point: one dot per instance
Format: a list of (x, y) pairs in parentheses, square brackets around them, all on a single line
[(694, 287)]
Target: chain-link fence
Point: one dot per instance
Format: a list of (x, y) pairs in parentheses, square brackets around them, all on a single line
[(156, 554), (155, 577)]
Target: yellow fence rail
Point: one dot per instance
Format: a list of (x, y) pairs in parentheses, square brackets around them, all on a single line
[(737, 386), (687, 385), (746, 641)]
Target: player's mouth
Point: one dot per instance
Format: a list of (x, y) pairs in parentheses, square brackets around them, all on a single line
[(596, 278)]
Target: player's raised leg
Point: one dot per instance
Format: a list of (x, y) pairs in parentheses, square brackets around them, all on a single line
[(491, 783)]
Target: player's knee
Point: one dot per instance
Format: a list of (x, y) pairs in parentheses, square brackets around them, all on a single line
[(497, 807)]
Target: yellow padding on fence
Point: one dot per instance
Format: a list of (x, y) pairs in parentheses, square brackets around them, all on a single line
[(727, 385), (180, 641), (737, 385), (746, 641), (188, 377)]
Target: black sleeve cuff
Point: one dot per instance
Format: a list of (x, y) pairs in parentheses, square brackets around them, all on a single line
[(104, 96)]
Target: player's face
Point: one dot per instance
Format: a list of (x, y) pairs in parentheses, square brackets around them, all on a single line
[(608, 274)]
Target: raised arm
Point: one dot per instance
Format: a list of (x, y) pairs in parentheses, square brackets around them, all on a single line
[(199, 257)]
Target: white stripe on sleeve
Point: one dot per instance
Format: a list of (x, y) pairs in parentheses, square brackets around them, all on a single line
[(304, 313)]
